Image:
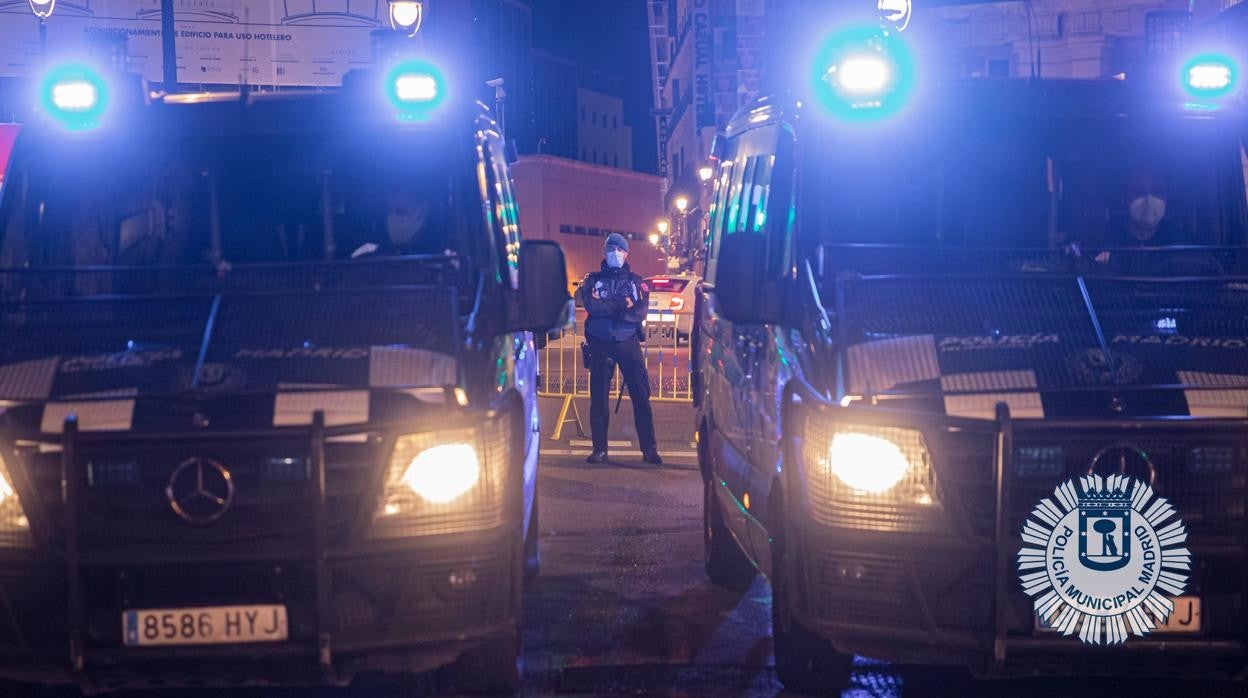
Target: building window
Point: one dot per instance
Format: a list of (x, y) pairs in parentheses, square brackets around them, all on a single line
[(999, 68), (594, 232), (580, 230), (615, 160), (615, 122), (582, 115), (565, 229)]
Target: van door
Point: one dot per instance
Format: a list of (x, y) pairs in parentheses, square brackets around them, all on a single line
[(763, 208), (723, 374), (736, 356), (519, 349)]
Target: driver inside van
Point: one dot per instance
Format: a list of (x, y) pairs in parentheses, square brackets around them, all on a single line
[(1146, 218), (1145, 223), (403, 229)]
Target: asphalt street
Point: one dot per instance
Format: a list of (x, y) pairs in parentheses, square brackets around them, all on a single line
[(623, 607)]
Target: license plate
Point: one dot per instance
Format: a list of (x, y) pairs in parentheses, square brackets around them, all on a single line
[(1184, 619), (212, 625)]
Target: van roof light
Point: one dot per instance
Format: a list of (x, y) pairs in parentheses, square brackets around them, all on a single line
[(416, 89), (1210, 75), (75, 95)]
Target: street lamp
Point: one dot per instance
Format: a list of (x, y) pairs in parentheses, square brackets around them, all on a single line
[(663, 224), (705, 173), (405, 16), (43, 10), (654, 239), (682, 232)]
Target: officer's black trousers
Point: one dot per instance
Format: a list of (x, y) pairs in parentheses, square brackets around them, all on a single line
[(627, 354)]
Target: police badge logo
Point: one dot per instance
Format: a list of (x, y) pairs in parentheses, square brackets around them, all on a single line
[(1101, 556)]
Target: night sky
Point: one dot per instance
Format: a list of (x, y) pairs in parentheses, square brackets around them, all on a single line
[(610, 37)]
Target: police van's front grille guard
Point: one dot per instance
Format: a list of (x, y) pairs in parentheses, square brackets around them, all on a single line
[(957, 487), (74, 483)]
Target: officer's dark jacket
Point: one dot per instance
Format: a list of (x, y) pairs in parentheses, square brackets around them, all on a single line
[(609, 316)]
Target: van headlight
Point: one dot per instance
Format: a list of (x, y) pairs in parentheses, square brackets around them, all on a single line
[(868, 477), (14, 526), (448, 481), (867, 463), (880, 461), (442, 474)]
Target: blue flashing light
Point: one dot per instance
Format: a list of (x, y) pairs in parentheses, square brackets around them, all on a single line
[(75, 95), (1210, 76), (416, 89), (862, 73)]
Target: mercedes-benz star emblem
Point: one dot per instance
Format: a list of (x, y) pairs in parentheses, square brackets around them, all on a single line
[(200, 490), (1123, 459)]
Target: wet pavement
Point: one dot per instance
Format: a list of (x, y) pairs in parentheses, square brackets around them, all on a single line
[(623, 607)]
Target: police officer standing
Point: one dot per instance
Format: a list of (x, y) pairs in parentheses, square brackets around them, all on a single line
[(617, 300)]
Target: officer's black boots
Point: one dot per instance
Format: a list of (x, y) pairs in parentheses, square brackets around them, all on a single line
[(599, 457)]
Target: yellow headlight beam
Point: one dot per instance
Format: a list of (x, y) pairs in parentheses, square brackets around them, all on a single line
[(442, 474), (867, 463)]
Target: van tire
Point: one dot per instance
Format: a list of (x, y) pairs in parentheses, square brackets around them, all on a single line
[(726, 565), (806, 662), (494, 668)]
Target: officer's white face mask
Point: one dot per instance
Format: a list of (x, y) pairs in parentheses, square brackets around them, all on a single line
[(403, 227), (1147, 211), (615, 258)]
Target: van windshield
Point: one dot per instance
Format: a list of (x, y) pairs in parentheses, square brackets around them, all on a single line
[(201, 199), (1082, 186)]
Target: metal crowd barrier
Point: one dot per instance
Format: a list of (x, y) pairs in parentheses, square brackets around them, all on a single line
[(666, 351)]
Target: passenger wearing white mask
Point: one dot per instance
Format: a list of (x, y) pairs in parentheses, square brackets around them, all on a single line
[(406, 224), (1146, 223), (1146, 209)]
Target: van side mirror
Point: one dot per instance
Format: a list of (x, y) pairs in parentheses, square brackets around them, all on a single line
[(543, 296), (745, 293), (754, 270)]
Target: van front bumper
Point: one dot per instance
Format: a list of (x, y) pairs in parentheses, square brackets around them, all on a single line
[(399, 610), (940, 584)]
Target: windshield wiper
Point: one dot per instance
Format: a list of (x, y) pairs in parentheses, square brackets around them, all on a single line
[(1096, 326), (214, 225), (209, 325)]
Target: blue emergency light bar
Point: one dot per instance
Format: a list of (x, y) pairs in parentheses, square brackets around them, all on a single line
[(862, 73), (1210, 76), (74, 95), (416, 89)]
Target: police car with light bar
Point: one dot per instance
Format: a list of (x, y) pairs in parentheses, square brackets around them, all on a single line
[(670, 316), (268, 408), (926, 304)]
